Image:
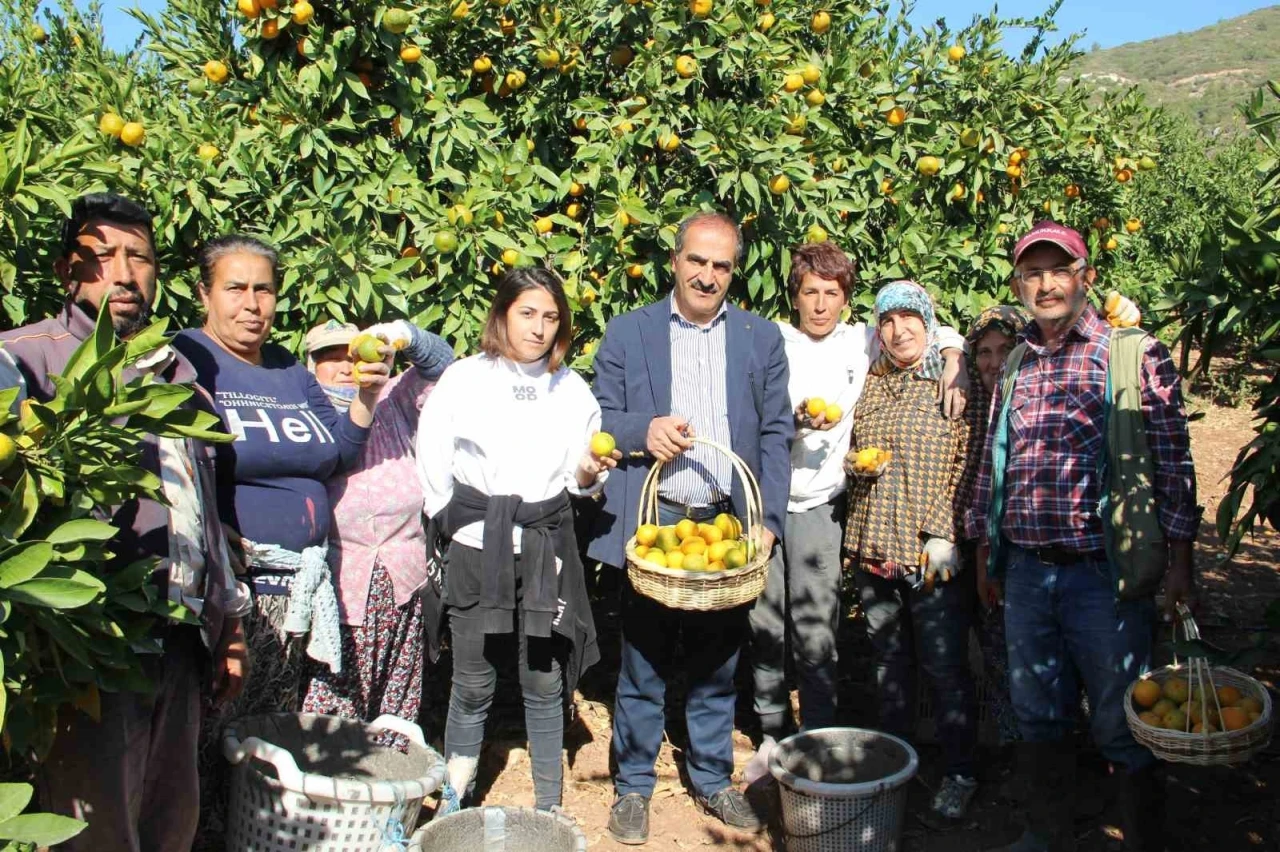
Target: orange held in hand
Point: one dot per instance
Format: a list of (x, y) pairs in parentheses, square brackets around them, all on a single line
[(602, 445), (366, 348)]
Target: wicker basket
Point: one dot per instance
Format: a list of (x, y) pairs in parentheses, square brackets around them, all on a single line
[(701, 590), (1206, 748)]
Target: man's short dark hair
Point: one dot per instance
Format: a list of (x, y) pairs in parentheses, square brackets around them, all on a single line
[(108, 207)]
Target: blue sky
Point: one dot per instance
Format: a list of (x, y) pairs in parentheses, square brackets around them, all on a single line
[(1106, 22)]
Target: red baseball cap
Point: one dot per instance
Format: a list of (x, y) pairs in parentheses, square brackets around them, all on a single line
[(1049, 231)]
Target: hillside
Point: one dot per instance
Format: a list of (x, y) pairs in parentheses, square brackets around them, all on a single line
[(1204, 73)]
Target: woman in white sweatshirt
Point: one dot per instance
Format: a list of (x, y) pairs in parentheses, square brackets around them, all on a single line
[(502, 443)]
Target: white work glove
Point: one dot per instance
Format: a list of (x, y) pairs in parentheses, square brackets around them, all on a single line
[(1122, 312), (939, 560), (397, 333)]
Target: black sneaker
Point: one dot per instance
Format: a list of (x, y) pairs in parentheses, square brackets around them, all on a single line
[(731, 808), (629, 819)]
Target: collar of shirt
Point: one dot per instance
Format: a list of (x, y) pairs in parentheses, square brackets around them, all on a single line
[(532, 370), (157, 361), (676, 315), (1088, 327)]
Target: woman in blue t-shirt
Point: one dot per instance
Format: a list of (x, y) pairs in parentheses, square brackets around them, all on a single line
[(289, 439)]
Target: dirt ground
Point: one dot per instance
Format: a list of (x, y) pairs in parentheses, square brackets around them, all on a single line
[(1210, 808)]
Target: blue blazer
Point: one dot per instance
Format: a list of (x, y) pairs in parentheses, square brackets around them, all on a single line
[(633, 386)]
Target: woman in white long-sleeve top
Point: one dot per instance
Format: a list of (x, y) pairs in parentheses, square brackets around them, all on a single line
[(502, 444)]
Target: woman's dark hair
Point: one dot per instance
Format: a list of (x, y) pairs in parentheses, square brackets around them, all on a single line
[(219, 247), (494, 342), (825, 260), (108, 207)]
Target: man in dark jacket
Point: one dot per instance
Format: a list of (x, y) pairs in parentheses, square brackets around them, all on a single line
[(132, 774), (689, 364)]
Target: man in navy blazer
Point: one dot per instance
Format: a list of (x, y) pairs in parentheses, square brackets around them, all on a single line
[(688, 365)]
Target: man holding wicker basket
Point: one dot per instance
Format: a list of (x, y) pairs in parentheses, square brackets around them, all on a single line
[(1075, 537), (701, 387)]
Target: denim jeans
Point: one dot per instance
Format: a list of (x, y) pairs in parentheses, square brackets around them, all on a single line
[(795, 620), (711, 642), (475, 655), (931, 628), (1064, 619)]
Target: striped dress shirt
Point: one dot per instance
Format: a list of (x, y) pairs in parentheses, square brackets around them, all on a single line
[(699, 367)]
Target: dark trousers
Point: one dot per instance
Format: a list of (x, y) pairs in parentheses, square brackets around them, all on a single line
[(711, 642), (132, 774), (475, 658), (911, 626)]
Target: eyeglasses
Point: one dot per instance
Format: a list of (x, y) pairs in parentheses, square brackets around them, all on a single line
[(1057, 275)]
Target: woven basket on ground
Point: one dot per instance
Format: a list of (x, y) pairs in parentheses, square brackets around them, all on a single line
[(701, 590), (1207, 747)]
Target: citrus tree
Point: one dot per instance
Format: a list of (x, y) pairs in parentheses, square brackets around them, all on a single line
[(1245, 294), (402, 154), (73, 619)]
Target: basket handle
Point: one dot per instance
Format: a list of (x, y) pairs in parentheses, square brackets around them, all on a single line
[(647, 511), (389, 722), (1198, 669), (286, 767)]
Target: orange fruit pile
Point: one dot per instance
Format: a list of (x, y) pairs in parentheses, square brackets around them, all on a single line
[(869, 460), (1176, 706), (691, 546)]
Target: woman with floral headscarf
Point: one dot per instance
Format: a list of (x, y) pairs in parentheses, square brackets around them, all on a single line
[(991, 339), (902, 531)]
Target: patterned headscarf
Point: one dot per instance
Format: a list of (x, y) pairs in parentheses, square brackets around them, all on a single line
[(909, 296), (1006, 319)]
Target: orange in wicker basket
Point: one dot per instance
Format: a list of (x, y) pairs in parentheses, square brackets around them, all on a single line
[(701, 590), (1210, 691)]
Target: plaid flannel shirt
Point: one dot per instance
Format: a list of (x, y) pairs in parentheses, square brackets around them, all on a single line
[(1056, 431), (922, 493)]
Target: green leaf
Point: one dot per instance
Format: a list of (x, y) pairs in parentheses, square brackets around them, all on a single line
[(84, 529), (24, 502), (20, 563), (132, 577), (13, 797), (55, 592), (93, 349), (41, 829)]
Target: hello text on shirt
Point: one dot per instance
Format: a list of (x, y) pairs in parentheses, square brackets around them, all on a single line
[(291, 421)]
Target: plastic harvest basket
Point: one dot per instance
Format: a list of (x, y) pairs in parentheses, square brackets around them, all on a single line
[(701, 590), (324, 784), (1204, 748)]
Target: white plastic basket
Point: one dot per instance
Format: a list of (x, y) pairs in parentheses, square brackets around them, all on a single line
[(303, 781), (843, 789), (494, 828)]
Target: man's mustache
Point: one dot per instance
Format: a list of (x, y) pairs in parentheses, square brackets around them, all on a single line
[(124, 294), (701, 287)]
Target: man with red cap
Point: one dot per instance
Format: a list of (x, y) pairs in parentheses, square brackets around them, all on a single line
[(1044, 539)]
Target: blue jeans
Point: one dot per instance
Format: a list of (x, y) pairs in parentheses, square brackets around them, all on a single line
[(711, 642), (910, 626), (1064, 619)]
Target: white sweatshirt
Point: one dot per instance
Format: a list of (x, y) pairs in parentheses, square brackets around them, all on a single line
[(504, 429), (834, 368)]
